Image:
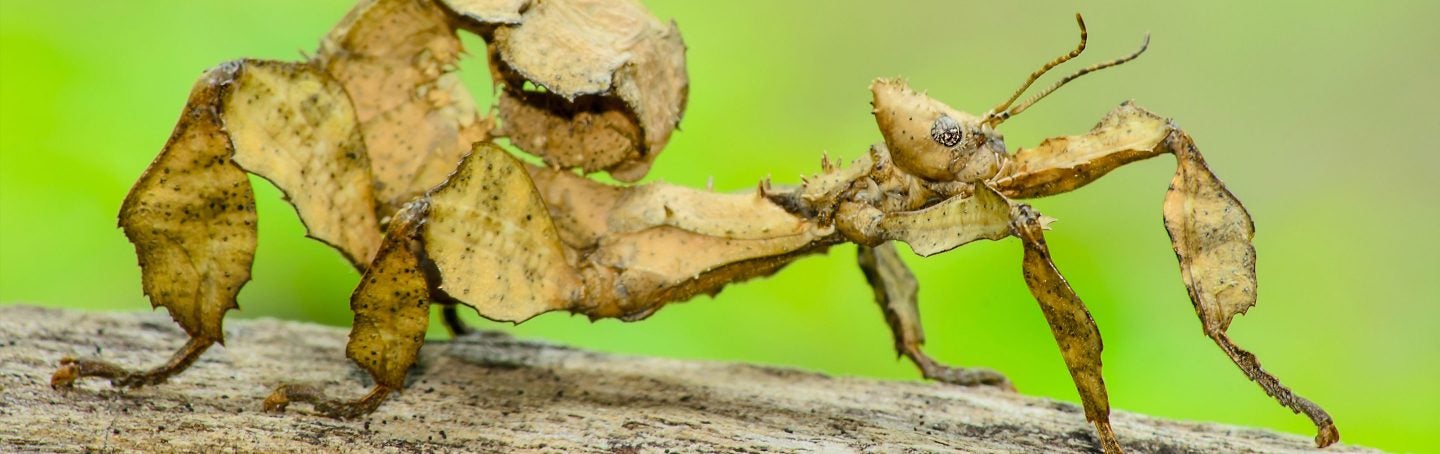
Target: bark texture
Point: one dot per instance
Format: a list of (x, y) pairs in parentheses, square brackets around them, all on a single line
[(491, 392)]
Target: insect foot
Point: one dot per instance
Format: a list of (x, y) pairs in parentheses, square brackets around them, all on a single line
[(72, 368), (895, 291), (339, 409)]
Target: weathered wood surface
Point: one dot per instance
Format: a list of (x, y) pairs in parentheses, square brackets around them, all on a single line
[(491, 392)]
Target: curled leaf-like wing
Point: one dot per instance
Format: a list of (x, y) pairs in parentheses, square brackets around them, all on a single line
[(608, 74)]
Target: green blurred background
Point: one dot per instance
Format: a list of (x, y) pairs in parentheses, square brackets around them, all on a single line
[(1321, 118)]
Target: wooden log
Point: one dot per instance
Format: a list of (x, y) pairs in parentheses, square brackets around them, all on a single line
[(491, 392)]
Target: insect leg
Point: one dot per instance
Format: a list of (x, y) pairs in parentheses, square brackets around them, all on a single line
[(1070, 321), (72, 368), (1211, 234), (895, 291), (340, 409), (1209, 228), (392, 312), (453, 323)]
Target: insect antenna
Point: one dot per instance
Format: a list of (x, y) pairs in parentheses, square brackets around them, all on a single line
[(999, 114), (1029, 102), (1043, 69)]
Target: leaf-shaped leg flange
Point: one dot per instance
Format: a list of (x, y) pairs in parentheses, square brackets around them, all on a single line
[(1209, 228), (392, 311), (895, 291), (192, 216), (1211, 233)]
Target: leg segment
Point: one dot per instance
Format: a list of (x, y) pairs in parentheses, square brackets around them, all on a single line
[(72, 368), (1070, 321), (339, 409), (1209, 228), (895, 291), (453, 323), (392, 311)]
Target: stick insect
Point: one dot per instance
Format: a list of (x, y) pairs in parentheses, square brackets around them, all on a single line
[(364, 138)]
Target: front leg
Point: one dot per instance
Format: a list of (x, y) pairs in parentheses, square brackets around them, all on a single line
[(895, 291), (1209, 228), (1070, 322)]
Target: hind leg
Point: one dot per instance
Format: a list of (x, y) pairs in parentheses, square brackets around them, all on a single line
[(895, 292)]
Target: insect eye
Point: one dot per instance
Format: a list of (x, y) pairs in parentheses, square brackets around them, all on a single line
[(946, 131)]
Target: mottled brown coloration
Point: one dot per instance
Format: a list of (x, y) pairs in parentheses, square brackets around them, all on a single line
[(490, 236), (295, 126), (579, 207), (1070, 321), (600, 85), (940, 227), (392, 304), (906, 119), (488, 11), (614, 84), (396, 59), (1062, 164), (1211, 233), (742, 216), (591, 133), (191, 215), (1209, 228)]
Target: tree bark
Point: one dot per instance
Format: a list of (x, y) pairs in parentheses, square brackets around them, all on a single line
[(491, 392)]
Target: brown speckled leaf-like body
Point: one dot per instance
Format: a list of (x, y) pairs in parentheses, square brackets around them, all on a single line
[(599, 85)]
